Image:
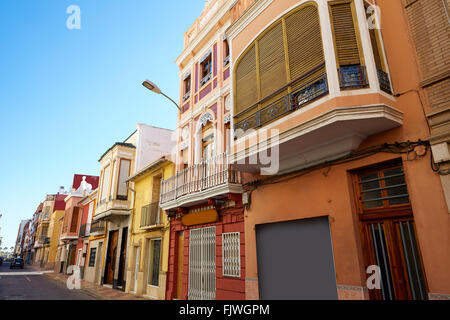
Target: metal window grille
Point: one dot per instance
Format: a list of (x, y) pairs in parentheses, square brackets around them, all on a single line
[(231, 254), (202, 264)]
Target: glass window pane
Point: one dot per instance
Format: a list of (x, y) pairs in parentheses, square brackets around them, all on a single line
[(376, 194), (153, 272), (122, 191), (397, 191)]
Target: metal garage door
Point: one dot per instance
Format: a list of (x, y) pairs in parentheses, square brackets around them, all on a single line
[(295, 260)]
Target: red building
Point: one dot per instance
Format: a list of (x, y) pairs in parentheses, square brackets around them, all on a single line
[(71, 243)]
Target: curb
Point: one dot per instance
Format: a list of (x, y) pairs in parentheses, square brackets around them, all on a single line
[(87, 291)]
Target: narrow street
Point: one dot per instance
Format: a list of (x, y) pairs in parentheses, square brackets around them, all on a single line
[(27, 284)]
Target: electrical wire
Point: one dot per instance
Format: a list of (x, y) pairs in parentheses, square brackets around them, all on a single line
[(394, 148)]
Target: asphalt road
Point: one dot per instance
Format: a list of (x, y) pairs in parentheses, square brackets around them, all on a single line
[(33, 286)]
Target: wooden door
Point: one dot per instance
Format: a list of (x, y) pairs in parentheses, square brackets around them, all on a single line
[(180, 265), (388, 233), (123, 252), (111, 257)]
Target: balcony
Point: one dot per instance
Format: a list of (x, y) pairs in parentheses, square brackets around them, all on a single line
[(304, 140), (69, 232), (302, 96), (82, 232), (208, 179), (44, 240), (98, 228), (385, 83), (354, 76), (119, 207), (151, 216)]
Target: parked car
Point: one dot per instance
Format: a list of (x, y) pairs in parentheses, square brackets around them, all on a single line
[(1, 261), (16, 263)]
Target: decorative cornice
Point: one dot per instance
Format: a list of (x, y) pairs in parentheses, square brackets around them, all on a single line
[(209, 26), (247, 17)]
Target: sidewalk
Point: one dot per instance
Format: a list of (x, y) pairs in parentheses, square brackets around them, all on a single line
[(95, 290)]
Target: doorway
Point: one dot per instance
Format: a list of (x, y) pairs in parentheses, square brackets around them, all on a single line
[(111, 255), (180, 265), (388, 233), (202, 264), (123, 253), (137, 258)]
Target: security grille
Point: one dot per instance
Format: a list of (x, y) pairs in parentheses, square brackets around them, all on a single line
[(202, 264), (231, 254)]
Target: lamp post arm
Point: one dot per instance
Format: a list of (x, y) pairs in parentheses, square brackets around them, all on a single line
[(172, 101)]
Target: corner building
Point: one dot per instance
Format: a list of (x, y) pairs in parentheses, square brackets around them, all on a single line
[(203, 199), (354, 186)]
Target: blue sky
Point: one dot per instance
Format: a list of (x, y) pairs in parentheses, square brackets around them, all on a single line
[(67, 95)]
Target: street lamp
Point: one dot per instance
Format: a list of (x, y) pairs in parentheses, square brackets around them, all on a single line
[(153, 87)]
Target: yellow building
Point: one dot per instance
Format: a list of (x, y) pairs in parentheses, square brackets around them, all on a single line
[(97, 238), (149, 237), (54, 229), (42, 242)]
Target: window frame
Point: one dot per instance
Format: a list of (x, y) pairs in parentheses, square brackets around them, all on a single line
[(386, 210), (205, 78), (151, 261), (125, 198), (91, 263), (239, 255)]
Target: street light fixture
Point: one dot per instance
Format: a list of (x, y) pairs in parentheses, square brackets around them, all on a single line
[(154, 88)]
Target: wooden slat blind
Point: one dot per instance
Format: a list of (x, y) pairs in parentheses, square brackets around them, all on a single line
[(304, 41), (246, 86), (272, 63), (344, 34), (263, 75)]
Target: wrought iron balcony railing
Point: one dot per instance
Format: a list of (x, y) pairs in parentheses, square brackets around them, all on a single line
[(82, 232), (353, 76), (302, 96), (205, 175), (98, 227), (226, 61), (187, 95), (205, 79), (150, 215), (383, 79), (44, 239)]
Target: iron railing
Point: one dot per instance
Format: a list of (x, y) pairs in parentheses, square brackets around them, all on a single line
[(385, 83), (150, 215), (98, 227), (82, 232), (205, 175), (353, 76), (302, 96), (44, 239)]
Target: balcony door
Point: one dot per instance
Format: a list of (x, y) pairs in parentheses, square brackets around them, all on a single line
[(388, 233)]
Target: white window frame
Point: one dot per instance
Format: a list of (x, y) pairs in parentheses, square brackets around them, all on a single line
[(150, 259)]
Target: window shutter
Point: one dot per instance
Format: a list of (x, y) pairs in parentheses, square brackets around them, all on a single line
[(124, 171), (246, 87), (272, 63), (304, 41), (373, 39), (344, 34)]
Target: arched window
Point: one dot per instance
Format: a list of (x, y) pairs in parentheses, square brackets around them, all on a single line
[(284, 63)]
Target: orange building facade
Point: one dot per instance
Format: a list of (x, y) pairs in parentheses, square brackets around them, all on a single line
[(325, 91)]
